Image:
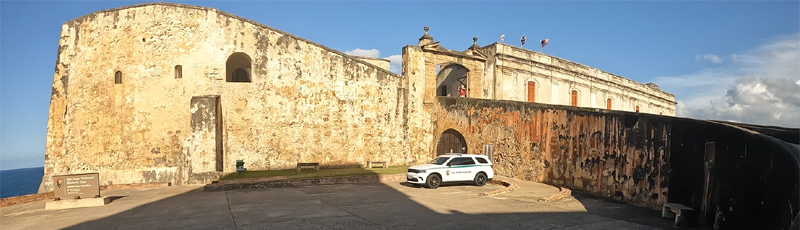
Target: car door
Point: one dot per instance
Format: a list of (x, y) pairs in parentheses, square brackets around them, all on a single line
[(464, 170), (450, 173)]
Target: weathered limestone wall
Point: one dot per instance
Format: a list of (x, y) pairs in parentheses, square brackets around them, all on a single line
[(420, 66), (383, 63), (306, 102), (613, 154), (516, 66)]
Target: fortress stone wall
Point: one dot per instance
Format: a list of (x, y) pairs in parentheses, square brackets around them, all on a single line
[(305, 102), (174, 93)]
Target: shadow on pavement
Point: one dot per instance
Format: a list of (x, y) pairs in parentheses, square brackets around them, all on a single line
[(351, 206)]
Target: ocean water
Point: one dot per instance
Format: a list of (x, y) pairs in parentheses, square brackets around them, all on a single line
[(17, 182)]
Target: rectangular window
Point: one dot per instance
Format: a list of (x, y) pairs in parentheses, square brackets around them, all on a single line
[(554, 94), (531, 91), (608, 104), (464, 161), (574, 98)]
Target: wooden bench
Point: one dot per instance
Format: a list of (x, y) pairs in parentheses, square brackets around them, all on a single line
[(374, 163), (300, 165), (681, 213)]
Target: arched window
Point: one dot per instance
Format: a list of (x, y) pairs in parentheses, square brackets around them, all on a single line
[(451, 80), (637, 108), (178, 72), (531, 91), (608, 104), (118, 77), (238, 68), (574, 98)]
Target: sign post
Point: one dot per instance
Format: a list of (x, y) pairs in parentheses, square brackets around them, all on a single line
[(76, 186), (76, 190)]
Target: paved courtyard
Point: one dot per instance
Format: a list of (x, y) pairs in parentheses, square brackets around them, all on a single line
[(343, 206)]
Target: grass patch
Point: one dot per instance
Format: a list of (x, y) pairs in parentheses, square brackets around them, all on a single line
[(311, 173)]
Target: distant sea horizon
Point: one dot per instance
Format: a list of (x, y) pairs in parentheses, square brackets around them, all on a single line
[(18, 182)]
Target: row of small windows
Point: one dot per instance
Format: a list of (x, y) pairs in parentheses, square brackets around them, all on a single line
[(178, 74), (237, 69), (574, 94)]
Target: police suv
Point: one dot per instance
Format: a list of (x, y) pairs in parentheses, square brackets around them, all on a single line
[(452, 168)]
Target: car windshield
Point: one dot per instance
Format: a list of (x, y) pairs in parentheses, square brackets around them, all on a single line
[(439, 160)]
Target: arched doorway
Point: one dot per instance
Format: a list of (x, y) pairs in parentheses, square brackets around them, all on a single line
[(451, 141), (448, 79)]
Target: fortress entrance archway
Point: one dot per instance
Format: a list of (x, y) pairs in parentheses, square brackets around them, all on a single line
[(448, 79), (451, 141)]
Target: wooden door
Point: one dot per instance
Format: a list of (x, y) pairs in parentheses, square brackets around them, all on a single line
[(531, 91), (574, 98), (608, 104)]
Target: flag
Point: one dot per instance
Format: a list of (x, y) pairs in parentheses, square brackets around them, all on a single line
[(502, 37), (545, 41), (522, 40)]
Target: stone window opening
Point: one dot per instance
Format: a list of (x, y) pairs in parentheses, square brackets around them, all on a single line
[(118, 77), (531, 91), (574, 98), (608, 104), (451, 80), (178, 72), (238, 68), (637, 108)]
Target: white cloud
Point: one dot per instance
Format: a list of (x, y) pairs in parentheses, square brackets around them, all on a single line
[(370, 53), (761, 86), (396, 63), (710, 57)]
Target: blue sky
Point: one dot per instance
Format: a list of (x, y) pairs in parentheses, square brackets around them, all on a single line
[(725, 60)]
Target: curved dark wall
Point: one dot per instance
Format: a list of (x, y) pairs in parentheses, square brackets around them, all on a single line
[(753, 183), (641, 158)]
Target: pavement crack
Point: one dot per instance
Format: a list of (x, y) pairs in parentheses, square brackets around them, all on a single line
[(230, 210)]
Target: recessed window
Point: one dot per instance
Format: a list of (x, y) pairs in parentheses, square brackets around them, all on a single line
[(238, 68), (637, 108), (118, 77), (608, 104), (574, 98), (531, 91), (178, 72)]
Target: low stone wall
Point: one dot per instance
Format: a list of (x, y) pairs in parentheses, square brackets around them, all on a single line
[(262, 184)]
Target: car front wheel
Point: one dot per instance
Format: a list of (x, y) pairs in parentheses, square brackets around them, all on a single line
[(480, 179), (433, 181)]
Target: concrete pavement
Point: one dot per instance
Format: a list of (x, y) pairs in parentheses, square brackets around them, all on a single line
[(343, 206)]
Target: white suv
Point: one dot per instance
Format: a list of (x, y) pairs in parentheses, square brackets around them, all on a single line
[(452, 168)]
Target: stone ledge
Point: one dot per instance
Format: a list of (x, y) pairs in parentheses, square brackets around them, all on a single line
[(509, 186), (266, 183), (563, 193), (76, 203)]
